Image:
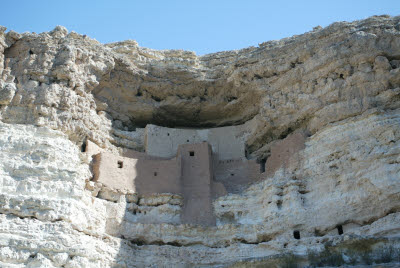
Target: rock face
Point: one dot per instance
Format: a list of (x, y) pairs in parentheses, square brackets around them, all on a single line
[(324, 109)]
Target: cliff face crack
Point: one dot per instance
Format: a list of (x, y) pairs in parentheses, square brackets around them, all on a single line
[(58, 220), (21, 216), (393, 210), (143, 242)]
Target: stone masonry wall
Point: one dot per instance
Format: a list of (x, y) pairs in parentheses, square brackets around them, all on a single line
[(196, 184), (142, 176), (236, 174), (226, 142)]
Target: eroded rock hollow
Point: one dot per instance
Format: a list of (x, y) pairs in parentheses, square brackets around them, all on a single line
[(281, 155)]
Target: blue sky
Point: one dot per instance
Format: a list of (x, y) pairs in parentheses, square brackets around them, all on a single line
[(202, 26)]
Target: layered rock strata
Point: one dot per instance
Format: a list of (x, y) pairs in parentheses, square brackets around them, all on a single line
[(324, 109)]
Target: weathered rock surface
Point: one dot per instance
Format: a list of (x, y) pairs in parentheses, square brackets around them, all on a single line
[(339, 86)]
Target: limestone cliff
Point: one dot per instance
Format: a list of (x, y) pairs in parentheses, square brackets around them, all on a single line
[(332, 196)]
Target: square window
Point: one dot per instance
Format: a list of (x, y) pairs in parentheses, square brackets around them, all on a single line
[(191, 153)]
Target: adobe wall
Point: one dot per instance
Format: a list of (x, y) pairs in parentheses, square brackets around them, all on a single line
[(285, 152), (188, 174), (143, 176), (195, 173), (139, 155), (91, 148), (158, 176), (107, 171), (226, 142), (196, 184), (235, 174)]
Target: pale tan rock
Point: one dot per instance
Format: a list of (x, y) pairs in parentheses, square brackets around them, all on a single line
[(339, 85)]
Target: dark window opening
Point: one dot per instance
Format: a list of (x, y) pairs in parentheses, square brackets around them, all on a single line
[(296, 234), (83, 147), (262, 165), (120, 164), (187, 140), (155, 173), (232, 174), (167, 134), (340, 229), (191, 153)]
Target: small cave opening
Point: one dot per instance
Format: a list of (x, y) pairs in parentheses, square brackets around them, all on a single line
[(231, 98), (155, 98), (339, 229), (257, 76), (279, 204), (296, 234), (83, 147), (120, 164), (262, 165)]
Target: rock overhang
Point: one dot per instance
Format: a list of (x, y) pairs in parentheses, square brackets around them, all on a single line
[(340, 83)]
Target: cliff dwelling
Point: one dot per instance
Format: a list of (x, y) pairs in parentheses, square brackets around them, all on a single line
[(198, 164), (117, 155)]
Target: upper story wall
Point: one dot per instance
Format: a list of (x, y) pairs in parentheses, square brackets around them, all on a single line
[(236, 174), (140, 175), (226, 142), (196, 183), (285, 153)]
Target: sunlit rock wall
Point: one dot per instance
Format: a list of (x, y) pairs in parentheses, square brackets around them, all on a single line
[(338, 85)]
